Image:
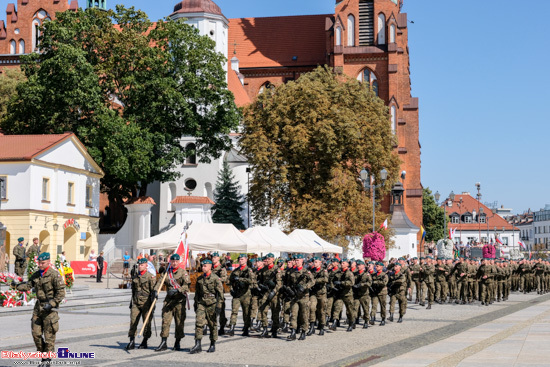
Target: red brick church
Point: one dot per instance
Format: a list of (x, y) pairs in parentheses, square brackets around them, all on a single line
[(365, 39)]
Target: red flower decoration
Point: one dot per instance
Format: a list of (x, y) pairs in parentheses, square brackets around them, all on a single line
[(374, 246)]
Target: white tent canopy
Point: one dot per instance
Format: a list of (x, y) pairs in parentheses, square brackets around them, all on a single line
[(272, 239), (202, 237), (315, 243)]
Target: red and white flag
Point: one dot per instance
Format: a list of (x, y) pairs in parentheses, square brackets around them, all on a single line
[(384, 225), (183, 249), (522, 245), (499, 241), (452, 233)]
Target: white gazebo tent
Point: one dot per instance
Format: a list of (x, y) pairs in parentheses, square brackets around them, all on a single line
[(202, 237), (315, 243), (274, 240)]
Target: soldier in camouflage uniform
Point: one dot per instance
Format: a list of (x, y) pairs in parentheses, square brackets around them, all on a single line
[(20, 254), (441, 272), (285, 298), (333, 269), (343, 282), (34, 249), (417, 280), (460, 271), (379, 293), (207, 305), (318, 298), (143, 294), (473, 283), (539, 269), (397, 287), (221, 272), (270, 281), (299, 282), (427, 270), (257, 266), (485, 274), (177, 286), (363, 283), (50, 291), (241, 280)]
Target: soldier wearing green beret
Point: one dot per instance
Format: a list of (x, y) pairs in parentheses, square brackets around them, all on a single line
[(241, 280), (143, 294), (416, 278), (333, 269), (441, 272), (19, 252), (318, 298), (34, 249), (270, 282), (397, 286), (427, 271), (285, 298), (379, 293), (177, 286), (50, 292), (257, 266), (208, 306), (363, 283), (300, 282), (343, 282), (221, 272)]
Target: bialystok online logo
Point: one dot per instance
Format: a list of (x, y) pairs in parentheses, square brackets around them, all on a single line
[(62, 353)]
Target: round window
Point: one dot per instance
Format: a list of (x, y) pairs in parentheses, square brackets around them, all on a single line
[(190, 184)]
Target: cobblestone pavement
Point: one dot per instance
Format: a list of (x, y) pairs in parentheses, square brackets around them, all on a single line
[(512, 333)]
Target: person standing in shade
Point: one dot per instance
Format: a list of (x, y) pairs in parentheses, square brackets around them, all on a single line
[(99, 270), (241, 280), (34, 249), (50, 292), (208, 305), (177, 286), (19, 254)]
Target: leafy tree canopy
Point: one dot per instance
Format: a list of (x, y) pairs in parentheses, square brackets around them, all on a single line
[(432, 217), (9, 79), (307, 141), (128, 91)]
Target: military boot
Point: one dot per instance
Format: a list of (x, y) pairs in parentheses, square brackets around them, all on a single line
[(357, 321), (196, 348), (45, 362), (205, 330), (258, 324), (302, 335), (391, 317), (383, 322), (400, 319), (429, 306), (162, 345), (311, 330), (131, 345), (292, 335), (222, 330), (143, 344), (252, 328), (231, 330), (274, 333), (350, 328), (212, 348), (322, 331), (372, 320), (285, 327), (43, 344), (366, 325), (264, 333), (177, 344), (245, 332), (333, 326)]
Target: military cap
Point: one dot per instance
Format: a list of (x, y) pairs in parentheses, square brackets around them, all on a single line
[(20, 239), (430, 257), (316, 258), (175, 257), (215, 254), (206, 261), (440, 258), (334, 260), (270, 255), (401, 259), (414, 258), (344, 260), (360, 262), (44, 256), (422, 258), (299, 256), (243, 255), (142, 261), (397, 264), (372, 262), (252, 261), (379, 263)]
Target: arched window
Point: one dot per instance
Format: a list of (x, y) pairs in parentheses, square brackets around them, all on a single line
[(35, 33), (12, 47), (21, 46), (191, 154), (338, 36), (392, 33), (367, 76), (351, 30), (393, 111), (381, 29)]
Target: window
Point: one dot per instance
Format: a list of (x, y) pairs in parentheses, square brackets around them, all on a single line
[(393, 111), (381, 29), (191, 154), (3, 187), (392, 33), (12, 47), (468, 219), (351, 30), (505, 241), (338, 37), (45, 189), (481, 219), (455, 219), (21, 47), (88, 196), (35, 34), (367, 76), (190, 184), (70, 193)]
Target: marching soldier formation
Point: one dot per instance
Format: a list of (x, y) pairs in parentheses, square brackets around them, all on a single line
[(303, 297)]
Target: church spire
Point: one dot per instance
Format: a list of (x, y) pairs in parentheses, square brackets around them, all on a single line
[(100, 4)]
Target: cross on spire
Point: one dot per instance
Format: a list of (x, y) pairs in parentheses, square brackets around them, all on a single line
[(235, 47)]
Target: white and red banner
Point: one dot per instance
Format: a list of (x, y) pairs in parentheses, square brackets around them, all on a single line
[(183, 249), (522, 245), (87, 267), (384, 225)]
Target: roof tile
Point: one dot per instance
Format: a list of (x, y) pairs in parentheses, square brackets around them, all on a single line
[(192, 200), (26, 147)]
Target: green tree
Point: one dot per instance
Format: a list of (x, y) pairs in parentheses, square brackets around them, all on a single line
[(432, 217), (9, 79), (307, 141), (229, 201), (129, 92)]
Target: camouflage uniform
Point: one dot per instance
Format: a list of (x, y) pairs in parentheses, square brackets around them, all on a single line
[(143, 286), (33, 250), (300, 281), (19, 254), (379, 294), (397, 289), (50, 288), (344, 295), (330, 291), (208, 297), (417, 280), (485, 274), (363, 282), (174, 305), (221, 273), (428, 278), (242, 280), (539, 269), (270, 279), (318, 297)]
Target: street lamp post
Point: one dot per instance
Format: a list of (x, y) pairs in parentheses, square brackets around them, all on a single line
[(459, 219), (248, 196), (364, 175), (478, 186)]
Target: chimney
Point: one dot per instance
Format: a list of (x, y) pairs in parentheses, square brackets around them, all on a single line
[(235, 64)]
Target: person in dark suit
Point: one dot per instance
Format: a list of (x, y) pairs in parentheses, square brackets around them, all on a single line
[(99, 270)]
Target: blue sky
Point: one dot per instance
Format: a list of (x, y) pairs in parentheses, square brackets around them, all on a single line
[(479, 69)]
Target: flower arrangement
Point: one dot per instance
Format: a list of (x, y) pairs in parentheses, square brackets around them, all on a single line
[(7, 278), (15, 298), (374, 246), (66, 271), (445, 248), (489, 251), (32, 265)]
